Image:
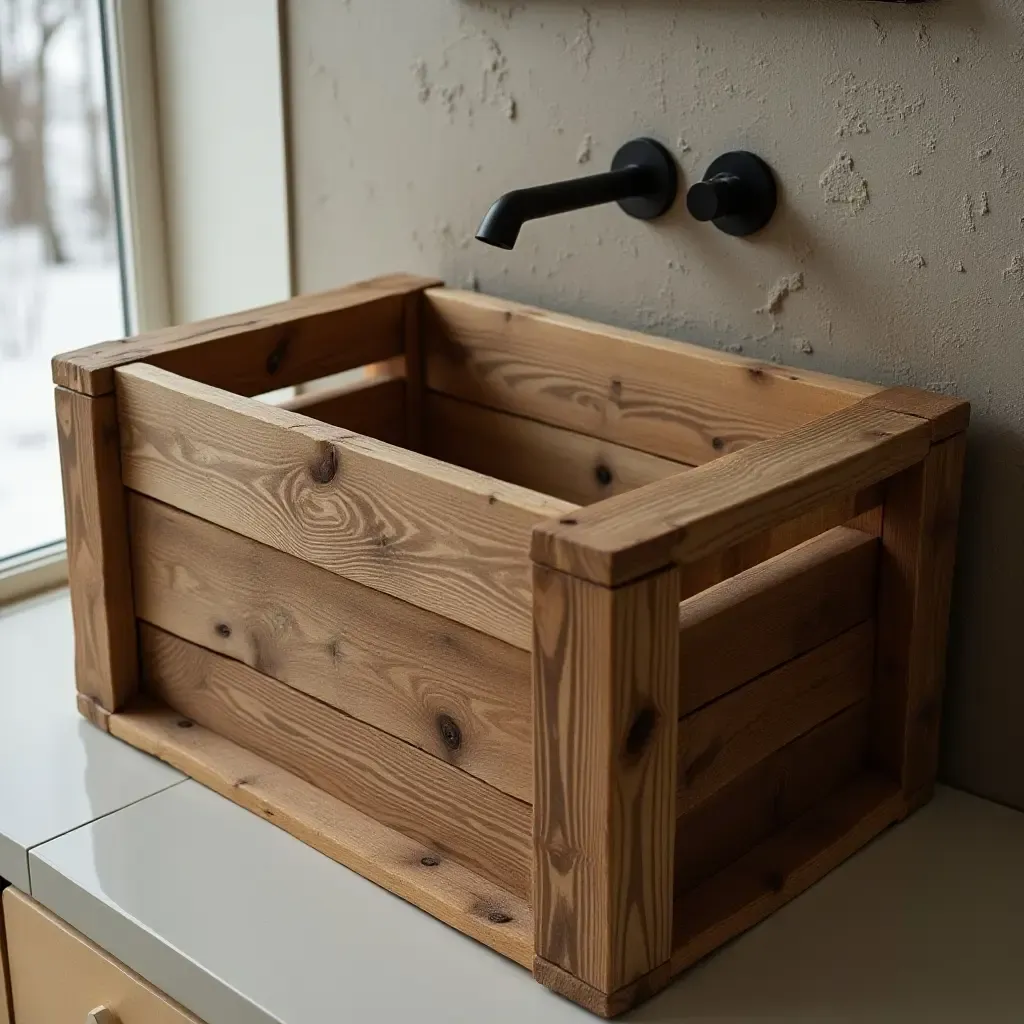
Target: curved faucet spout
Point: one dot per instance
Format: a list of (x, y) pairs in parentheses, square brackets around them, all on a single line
[(642, 180)]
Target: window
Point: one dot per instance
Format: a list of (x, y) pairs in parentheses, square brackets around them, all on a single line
[(61, 282)]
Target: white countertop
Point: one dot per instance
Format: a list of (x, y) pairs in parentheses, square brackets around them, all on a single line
[(244, 925)]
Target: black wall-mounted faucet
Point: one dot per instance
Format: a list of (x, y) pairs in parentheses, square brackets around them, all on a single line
[(643, 181)]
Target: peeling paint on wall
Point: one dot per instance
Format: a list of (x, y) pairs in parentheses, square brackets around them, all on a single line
[(780, 291), (840, 183)]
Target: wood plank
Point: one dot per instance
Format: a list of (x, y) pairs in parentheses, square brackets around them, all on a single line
[(767, 797), (571, 466), (946, 415), (781, 608), (399, 785), (421, 874), (375, 408), (415, 371), (440, 537), (727, 737), (259, 350), (5, 982), (918, 552), (106, 662), (665, 397), (725, 502), (456, 693), (605, 707), (782, 867)]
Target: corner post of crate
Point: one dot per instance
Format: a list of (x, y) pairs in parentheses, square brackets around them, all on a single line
[(605, 679), (919, 530), (413, 326), (99, 567)]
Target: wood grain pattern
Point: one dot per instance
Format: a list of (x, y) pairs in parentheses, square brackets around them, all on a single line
[(664, 397), (440, 537), (732, 734), (777, 610), (415, 371), (106, 663), (262, 349), (375, 408), (400, 786), (605, 707), (946, 415), (725, 502), (58, 975), (458, 694), (918, 553), (5, 984), (770, 795), (782, 867), (571, 466), (421, 874)]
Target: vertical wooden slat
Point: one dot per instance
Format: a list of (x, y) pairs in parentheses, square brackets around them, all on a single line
[(916, 577), (605, 666), (415, 372), (106, 660)]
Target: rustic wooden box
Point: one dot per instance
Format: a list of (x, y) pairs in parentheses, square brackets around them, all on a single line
[(733, 578)]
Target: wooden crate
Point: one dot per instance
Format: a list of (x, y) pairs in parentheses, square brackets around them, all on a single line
[(657, 645)]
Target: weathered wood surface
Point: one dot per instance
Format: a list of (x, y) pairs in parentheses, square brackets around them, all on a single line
[(374, 407), (452, 691), (723, 503), (668, 398), (106, 663), (568, 465), (440, 537), (424, 875), (402, 787), (605, 706)]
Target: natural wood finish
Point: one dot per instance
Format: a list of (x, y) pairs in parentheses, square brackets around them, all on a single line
[(106, 664), (605, 708), (727, 737), (946, 415), (5, 985), (423, 875), (782, 867), (769, 796), (774, 612), (58, 975), (94, 712), (101, 1015), (415, 371), (456, 693), (375, 408), (918, 552), (262, 349), (665, 397), (722, 503), (401, 786), (571, 466), (440, 537)]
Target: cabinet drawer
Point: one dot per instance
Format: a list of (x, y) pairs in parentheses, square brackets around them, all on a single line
[(57, 976)]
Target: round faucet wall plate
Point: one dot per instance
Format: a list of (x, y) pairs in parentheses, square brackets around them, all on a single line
[(650, 154), (752, 179)]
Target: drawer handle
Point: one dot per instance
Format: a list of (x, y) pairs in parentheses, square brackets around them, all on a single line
[(101, 1015)]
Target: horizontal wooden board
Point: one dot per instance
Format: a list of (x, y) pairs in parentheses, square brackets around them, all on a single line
[(665, 397), (724, 739), (774, 612), (726, 502), (374, 407), (420, 874), (452, 691), (769, 796), (572, 466), (781, 867), (259, 350), (946, 415), (399, 785), (438, 536)]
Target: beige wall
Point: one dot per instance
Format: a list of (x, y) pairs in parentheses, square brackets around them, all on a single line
[(897, 133)]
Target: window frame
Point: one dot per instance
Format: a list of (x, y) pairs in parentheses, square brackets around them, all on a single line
[(134, 34)]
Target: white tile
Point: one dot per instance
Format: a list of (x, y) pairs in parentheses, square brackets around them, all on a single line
[(57, 771), (245, 925)]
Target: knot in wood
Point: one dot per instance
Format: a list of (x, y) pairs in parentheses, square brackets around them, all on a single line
[(498, 917), (223, 629), (451, 734), (430, 861), (324, 466), (603, 474), (717, 443), (641, 732), (276, 357)]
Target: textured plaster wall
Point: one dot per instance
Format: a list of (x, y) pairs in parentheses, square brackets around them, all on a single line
[(898, 254)]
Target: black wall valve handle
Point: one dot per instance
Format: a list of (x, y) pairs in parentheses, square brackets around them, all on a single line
[(738, 194)]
